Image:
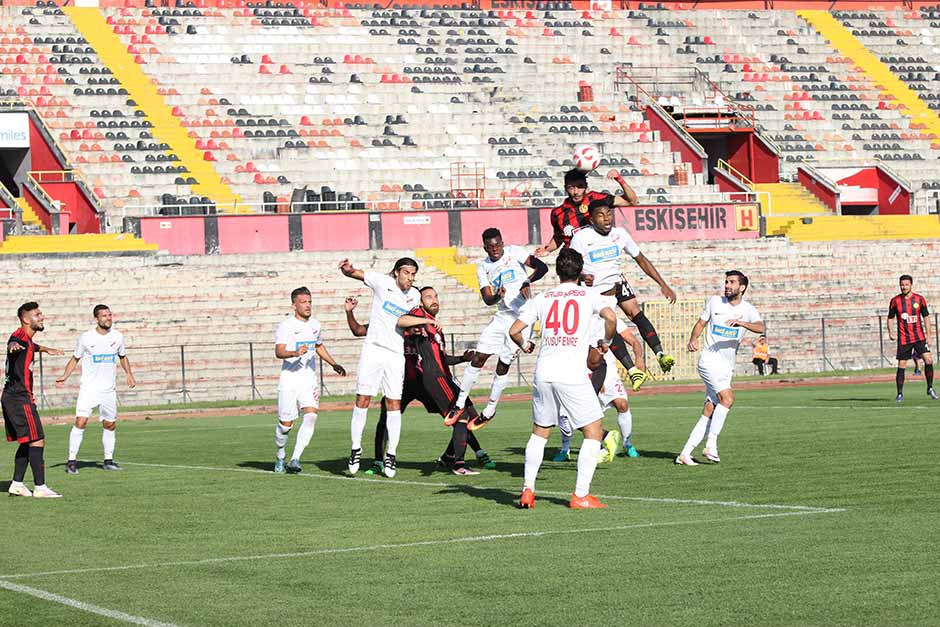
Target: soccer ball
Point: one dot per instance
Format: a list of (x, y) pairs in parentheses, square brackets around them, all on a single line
[(586, 158)]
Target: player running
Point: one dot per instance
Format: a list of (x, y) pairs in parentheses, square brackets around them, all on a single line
[(573, 214), (505, 281), (603, 246), (99, 349), (298, 387), (382, 362), (562, 386), (20, 416), (724, 320), (913, 325)]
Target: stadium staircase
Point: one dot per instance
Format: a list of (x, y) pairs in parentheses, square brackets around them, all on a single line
[(166, 127), (29, 215), (892, 86), (833, 228), (788, 199), (450, 262)]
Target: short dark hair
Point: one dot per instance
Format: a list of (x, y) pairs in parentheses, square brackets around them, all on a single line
[(492, 232), (575, 177), (405, 261), (596, 207), (906, 277), (300, 291), (28, 306), (741, 278), (98, 309), (425, 288), (569, 264)]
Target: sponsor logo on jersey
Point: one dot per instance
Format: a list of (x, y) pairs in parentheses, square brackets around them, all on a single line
[(726, 332), (390, 307), (604, 254), (109, 358), (506, 276), (909, 318), (308, 343)]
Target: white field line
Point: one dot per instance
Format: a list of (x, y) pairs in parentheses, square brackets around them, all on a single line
[(437, 484), (408, 545), (81, 605)]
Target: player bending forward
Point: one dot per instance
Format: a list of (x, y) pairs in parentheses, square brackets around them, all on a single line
[(503, 280), (298, 387), (98, 349), (561, 385), (724, 320), (382, 362)]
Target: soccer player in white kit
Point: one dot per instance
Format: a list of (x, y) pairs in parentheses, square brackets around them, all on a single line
[(724, 321), (603, 246), (99, 349), (505, 281), (298, 386), (561, 385), (382, 362)]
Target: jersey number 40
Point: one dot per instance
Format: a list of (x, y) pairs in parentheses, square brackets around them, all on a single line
[(569, 318)]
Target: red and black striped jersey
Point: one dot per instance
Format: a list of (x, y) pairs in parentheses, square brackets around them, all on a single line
[(19, 372), (567, 217), (422, 344), (910, 312)]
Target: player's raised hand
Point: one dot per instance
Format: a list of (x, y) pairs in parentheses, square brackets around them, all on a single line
[(693, 346), (350, 304), (346, 267), (669, 294), (541, 251), (613, 175), (339, 370)]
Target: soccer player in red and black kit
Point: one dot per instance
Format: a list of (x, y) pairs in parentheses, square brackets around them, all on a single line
[(574, 213), (913, 332), (428, 380), (20, 416)]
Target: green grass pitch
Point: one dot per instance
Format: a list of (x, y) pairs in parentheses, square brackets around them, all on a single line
[(824, 510)]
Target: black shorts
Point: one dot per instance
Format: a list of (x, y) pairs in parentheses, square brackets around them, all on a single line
[(437, 391), (905, 351), (621, 291), (21, 419)]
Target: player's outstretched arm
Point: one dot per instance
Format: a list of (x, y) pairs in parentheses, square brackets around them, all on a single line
[(549, 248), (515, 332), (324, 354), (69, 369), (629, 197), (754, 327), (346, 267), (407, 321), (696, 333), (538, 266), (647, 266), (126, 365), (358, 329), (50, 351)]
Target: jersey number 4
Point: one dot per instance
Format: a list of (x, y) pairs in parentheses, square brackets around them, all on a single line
[(569, 318)]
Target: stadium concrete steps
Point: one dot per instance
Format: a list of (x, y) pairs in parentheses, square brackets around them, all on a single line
[(891, 86), (835, 228), (451, 263), (29, 215), (166, 127), (89, 243), (791, 199)]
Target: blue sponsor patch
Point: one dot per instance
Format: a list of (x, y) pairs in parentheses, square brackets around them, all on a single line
[(730, 333), (310, 344), (104, 359), (390, 307), (604, 254), (506, 276)]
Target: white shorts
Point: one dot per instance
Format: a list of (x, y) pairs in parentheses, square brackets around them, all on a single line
[(380, 367), (106, 402), (495, 340), (292, 395), (716, 379), (613, 386), (577, 401)]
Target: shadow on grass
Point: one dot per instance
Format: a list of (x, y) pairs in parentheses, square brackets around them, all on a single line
[(854, 400), (498, 495), (81, 464), (5, 485)]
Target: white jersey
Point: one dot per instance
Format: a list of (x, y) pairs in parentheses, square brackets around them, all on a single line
[(722, 341), (294, 333), (99, 355), (389, 304), (566, 314), (603, 254), (509, 272)]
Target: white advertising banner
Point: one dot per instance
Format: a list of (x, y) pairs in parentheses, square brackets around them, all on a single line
[(14, 130)]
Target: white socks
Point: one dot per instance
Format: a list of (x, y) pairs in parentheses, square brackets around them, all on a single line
[(587, 464), (393, 425), (304, 434), (75, 442), (469, 379), (695, 438), (358, 425), (500, 382), (534, 452), (625, 420), (718, 421), (280, 438), (107, 442)]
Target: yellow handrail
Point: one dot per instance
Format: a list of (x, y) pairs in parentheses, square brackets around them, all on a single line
[(724, 165)]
